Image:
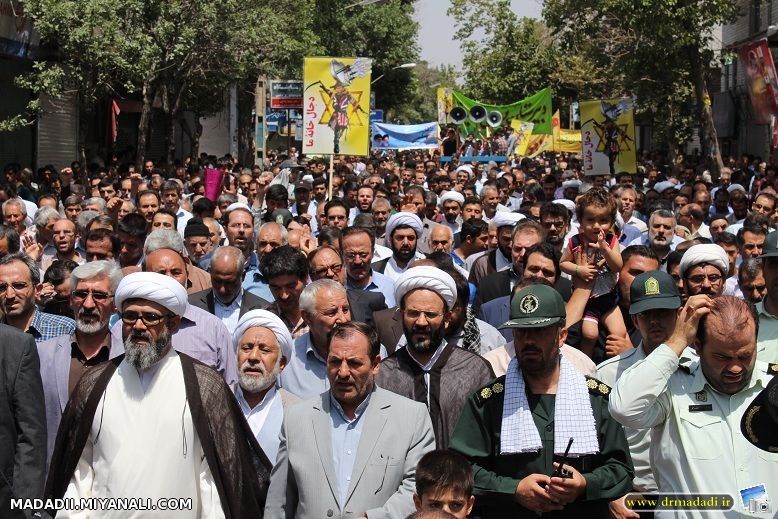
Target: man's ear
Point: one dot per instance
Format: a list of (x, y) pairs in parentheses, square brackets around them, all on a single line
[(417, 502), (174, 323), (282, 362)]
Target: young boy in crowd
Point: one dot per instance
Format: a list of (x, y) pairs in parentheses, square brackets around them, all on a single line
[(444, 481), (594, 253)]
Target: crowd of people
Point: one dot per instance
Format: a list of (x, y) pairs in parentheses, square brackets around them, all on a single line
[(387, 337)]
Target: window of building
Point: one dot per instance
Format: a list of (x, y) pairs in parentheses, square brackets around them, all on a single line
[(756, 16)]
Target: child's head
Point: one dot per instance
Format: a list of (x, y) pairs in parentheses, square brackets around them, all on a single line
[(444, 481), (596, 212)]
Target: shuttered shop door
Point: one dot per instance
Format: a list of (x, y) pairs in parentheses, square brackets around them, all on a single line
[(58, 131)]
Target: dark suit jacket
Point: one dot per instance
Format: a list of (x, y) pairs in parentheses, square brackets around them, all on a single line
[(204, 300), (22, 420), (363, 303), (389, 325), (380, 266), (498, 284)]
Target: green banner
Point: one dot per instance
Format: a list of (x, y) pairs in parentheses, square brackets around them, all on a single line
[(535, 109)]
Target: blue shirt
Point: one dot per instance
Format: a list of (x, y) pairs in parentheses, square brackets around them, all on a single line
[(47, 326), (381, 284), (255, 282), (305, 374), (345, 442)]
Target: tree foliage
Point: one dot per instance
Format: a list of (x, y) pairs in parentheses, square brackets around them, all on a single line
[(505, 57)]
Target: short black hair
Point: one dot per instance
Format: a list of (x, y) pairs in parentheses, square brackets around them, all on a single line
[(277, 193), (638, 250), (133, 224), (203, 207), (145, 193), (335, 202), (357, 229), (753, 229), (10, 234), (347, 329), (165, 210), (59, 271), (726, 238), (553, 209), (330, 236), (546, 250), (285, 261), (100, 234), (473, 228), (441, 470)]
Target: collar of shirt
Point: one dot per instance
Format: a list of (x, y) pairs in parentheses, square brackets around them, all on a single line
[(501, 262), (435, 356), (232, 306), (264, 403), (334, 404), (310, 351), (102, 354), (759, 376), (253, 264)]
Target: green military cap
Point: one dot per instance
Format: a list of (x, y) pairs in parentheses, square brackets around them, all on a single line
[(760, 420), (536, 306), (653, 290), (770, 249)]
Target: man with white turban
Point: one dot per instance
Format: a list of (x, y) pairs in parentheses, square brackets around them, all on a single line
[(429, 368), (403, 231), (264, 346), (704, 269), (451, 203), (155, 424)]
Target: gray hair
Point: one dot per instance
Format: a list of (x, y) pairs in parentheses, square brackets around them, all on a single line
[(84, 219), (749, 269), (381, 201), (284, 232), (661, 213), (227, 251), (172, 184), (17, 202), (132, 204), (35, 271), (43, 215), (95, 200), (226, 198), (309, 293), (94, 269), (163, 239)]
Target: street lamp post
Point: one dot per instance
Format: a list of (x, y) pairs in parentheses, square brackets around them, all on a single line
[(404, 65)]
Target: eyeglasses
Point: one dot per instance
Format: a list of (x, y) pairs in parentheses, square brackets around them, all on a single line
[(415, 314), (100, 297), (323, 270), (17, 286), (351, 256), (557, 224), (700, 278), (148, 319)]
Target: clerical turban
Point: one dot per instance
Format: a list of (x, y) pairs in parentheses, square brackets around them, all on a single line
[(403, 218), (705, 253), (153, 287), (265, 319), (503, 218), (452, 195), (431, 278)]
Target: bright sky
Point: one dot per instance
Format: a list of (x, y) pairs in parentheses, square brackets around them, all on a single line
[(436, 29)]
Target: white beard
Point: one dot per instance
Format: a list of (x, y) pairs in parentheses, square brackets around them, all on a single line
[(257, 383), (143, 357)]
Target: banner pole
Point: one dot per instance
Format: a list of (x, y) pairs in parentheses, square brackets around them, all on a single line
[(332, 173)]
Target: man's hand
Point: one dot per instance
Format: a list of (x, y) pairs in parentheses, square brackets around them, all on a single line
[(566, 490), (618, 510), (689, 316), (531, 493), (113, 206), (616, 345), (32, 248)]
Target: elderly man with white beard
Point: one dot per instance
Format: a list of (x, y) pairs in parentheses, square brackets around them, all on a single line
[(263, 345), (64, 359)]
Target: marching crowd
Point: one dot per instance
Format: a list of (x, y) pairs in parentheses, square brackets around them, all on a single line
[(400, 335)]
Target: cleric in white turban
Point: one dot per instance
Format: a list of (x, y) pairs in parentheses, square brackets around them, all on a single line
[(153, 287), (503, 218), (456, 196), (708, 261), (264, 345), (403, 231), (427, 278), (403, 219), (167, 424)]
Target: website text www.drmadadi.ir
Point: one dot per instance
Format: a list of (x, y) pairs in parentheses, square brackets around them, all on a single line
[(648, 502), (103, 503)]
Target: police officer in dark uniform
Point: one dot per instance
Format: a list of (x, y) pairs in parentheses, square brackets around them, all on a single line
[(515, 431)]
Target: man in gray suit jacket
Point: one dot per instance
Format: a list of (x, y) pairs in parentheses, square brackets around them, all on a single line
[(344, 453), (22, 421)]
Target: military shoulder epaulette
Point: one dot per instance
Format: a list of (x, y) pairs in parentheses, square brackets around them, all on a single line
[(685, 368), (597, 388), (772, 369), (496, 387)]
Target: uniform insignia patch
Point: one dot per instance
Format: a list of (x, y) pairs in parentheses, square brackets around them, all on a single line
[(701, 396), (596, 387), (486, 392), (529, 304), (651, 287), (497, 388)]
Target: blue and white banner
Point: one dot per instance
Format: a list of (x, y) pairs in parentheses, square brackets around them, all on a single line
[(404, 136)]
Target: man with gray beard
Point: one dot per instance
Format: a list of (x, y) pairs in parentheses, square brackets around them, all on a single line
[(429, 368), (263, 345), (64, 359), (155, 424)]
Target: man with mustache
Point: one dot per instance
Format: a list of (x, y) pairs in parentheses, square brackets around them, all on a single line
[(431, 369), (358, 245), (155, 424), (654, 310), (403, 231), (263, 346), (66, 358), (704, 269), (515, 430), (661, 238), (694, 410)]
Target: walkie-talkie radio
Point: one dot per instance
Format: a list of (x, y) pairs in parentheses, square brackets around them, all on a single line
[(561, 472)]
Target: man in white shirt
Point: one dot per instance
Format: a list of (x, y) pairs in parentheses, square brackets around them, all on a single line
[(263, 346), (171, 197)]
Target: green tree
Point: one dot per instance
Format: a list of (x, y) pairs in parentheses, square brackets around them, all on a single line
[(505, 57), (659, 51)]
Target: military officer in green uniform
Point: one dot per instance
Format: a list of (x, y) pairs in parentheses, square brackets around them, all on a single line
[(515, 430)]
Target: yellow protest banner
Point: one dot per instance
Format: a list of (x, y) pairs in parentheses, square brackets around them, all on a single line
[(523, 131), (445, 104), (566, 141), (608, 136), (336, 106)]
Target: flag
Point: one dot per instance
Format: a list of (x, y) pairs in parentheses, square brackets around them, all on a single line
[(535, 109), (608, 137), (761, 79), (567, 141), (406, 136), (523, 131), (445, 104)]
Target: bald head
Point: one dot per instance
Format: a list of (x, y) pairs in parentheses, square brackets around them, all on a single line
[(441, 238), (227, 273)]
